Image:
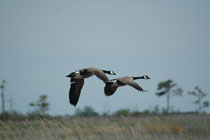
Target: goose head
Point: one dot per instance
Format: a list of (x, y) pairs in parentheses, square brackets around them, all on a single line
[(109, 72), (73, 74), (112, 72), (146, 77)]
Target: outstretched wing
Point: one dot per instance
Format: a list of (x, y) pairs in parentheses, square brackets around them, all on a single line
[(101, 75), (129, 81), (110, 89), (75, 90)]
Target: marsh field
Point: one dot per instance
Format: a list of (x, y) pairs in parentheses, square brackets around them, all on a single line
[(172, 127)]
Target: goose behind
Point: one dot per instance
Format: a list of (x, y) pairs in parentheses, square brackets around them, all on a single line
[(112, 85)]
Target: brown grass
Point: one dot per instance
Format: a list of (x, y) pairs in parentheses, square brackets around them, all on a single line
[(112, 128)]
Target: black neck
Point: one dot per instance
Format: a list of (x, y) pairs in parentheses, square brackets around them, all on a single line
[(140, 77), (106, 71)]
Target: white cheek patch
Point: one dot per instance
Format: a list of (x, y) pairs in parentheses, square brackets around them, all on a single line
[(77, 72)]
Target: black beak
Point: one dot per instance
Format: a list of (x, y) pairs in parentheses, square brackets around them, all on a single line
[(69, 75)]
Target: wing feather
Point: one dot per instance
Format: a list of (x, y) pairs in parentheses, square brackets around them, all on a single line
[(129, 81), (75, 90), (101, 75)]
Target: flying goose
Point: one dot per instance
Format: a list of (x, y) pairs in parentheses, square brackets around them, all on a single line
[(112, 85), (77, 81)]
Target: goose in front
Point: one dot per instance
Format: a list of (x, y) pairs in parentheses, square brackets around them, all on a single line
[(112, 85), (77, 81)]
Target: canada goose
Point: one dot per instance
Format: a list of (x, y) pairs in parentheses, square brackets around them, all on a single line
[(112, 85), (77, 81)]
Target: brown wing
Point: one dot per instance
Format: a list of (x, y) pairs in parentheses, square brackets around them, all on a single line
[(75, 90), (109, 89), (100, 74), (129, 81)]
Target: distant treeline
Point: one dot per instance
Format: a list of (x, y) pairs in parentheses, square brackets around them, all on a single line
[(88, 111)]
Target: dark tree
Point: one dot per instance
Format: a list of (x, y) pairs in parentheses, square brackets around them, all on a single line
[(199, 94), (42, 106), (3, 99), (167, 88)]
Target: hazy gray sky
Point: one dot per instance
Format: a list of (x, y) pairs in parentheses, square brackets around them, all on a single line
[(42, 41)]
